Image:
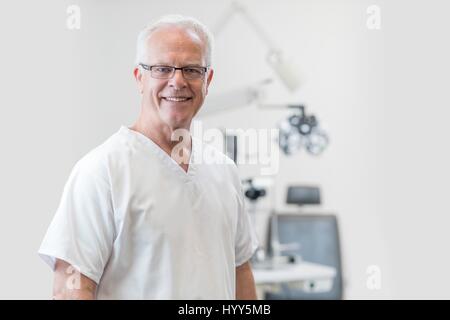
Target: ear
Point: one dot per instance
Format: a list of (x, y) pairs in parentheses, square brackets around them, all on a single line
[(138, 76), (208, 80)]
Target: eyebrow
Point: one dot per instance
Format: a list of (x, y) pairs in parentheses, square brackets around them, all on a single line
[(186, 65)]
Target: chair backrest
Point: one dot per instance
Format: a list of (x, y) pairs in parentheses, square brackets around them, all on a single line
[(301, 195), (318, 236)]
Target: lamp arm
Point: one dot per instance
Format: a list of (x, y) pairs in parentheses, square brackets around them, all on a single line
[(236, 8)]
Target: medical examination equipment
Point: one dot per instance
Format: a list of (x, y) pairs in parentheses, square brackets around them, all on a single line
[(318, 236), (302, 130), (282, 252), (254, 190), (305, 253), (299, 130), (253, 193)]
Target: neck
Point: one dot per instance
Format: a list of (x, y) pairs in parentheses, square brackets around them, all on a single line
[(163, 135)]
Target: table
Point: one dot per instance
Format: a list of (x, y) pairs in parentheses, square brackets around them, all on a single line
[(308, 276)]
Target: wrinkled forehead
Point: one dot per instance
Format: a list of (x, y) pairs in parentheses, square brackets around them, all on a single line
[(170, 44)]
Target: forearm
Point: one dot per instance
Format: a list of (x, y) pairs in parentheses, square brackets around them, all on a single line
[(74, 295), (70, 284), (245, 283)]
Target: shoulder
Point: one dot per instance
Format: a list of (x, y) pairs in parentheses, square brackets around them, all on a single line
[(99, 161)]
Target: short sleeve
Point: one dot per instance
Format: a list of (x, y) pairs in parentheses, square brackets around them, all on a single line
[(82, 230), (246, 241)]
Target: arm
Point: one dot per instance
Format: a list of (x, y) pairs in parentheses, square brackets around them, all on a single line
[(245, 284), (70, 284)]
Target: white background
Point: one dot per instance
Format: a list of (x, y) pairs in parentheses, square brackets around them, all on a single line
[(381, 94)]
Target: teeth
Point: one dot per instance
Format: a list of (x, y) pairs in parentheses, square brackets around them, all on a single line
[(176, 99)]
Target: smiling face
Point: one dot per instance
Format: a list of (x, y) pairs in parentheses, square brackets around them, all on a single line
[(173, 102)]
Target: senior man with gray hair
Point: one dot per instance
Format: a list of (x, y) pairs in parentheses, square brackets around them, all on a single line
[(139, 221)]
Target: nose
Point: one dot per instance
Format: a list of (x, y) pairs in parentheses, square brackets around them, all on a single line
[(178, 81)]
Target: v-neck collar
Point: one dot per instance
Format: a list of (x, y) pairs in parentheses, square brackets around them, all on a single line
[(163, 156)]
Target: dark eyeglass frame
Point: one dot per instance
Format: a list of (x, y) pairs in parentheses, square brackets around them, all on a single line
[(174, 69)]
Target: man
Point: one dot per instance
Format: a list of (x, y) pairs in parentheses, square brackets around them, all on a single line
[(140, 221)]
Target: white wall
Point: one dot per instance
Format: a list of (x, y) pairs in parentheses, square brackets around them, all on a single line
[(380, 94)]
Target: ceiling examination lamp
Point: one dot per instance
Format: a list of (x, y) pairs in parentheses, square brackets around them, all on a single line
[(301, 130)]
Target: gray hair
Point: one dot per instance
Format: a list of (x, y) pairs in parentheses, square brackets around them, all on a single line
[(175, 20)]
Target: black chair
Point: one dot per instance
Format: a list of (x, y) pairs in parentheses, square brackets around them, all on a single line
[(318, 236)]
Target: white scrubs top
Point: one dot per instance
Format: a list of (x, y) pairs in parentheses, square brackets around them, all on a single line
[(132, 220)]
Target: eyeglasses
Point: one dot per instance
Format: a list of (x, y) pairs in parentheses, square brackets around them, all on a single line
[(167, 72)]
